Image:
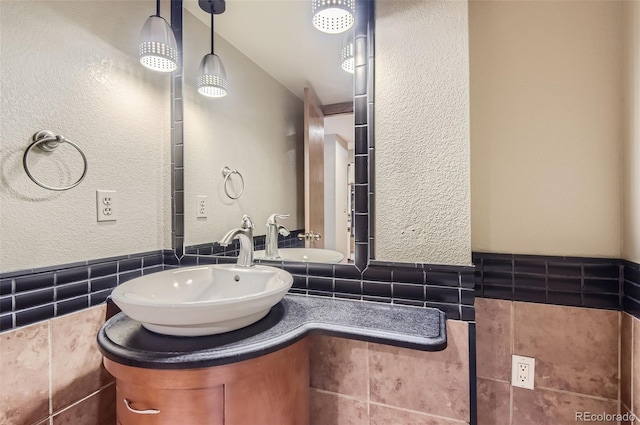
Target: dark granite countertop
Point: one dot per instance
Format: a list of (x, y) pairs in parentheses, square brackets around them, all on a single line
[(125, 341)]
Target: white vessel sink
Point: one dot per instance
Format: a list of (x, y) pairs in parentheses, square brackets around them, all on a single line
[(314, 255), (202, 300)]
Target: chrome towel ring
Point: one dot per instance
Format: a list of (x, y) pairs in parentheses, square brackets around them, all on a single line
[(227, 173), (49, 142)]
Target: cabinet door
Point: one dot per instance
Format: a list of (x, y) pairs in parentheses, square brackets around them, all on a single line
[(277, 396), (139, 405)]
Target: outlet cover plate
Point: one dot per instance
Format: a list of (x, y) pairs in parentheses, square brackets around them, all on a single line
[(522, 371), (107, 205), (201, 206)]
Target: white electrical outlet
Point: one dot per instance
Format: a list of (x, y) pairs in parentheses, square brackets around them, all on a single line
[(201, 207), (106, 205), (522, 371)]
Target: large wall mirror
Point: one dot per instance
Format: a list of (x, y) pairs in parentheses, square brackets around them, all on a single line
[(283, 139)]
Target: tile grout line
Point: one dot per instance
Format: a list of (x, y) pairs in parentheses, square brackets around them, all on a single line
[(593, 397), (502, 381), (77, 402), (420, 413), (349, 397)]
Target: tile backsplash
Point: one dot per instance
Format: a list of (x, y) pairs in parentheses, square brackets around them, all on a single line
[(570, 281), (52, 372), (29, 296), (576, 364), (354, 382)]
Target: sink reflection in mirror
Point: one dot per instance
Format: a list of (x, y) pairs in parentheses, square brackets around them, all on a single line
[(271, 54), (202, 300), (313, 255)]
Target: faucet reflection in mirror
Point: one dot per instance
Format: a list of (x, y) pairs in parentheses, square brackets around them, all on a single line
[(158, 49), (273, 228), (245, 234)]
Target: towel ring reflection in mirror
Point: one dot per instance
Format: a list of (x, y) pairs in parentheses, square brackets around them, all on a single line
[(49, 142), (227, 173)]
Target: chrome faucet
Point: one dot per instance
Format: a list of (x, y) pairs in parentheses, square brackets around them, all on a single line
[(245, 235), (273, 228)]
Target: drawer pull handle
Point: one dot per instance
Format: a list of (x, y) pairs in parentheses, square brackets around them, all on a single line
[(140, 412)]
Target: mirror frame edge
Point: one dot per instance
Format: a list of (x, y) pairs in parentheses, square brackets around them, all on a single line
[(363, 107)]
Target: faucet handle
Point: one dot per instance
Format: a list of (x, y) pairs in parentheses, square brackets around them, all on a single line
[(273, 218), (283, 230), (246, 222)]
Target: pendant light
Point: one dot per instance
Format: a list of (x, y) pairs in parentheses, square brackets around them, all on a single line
[(332, 16), (158, 48), (212, 80), (347, 53)]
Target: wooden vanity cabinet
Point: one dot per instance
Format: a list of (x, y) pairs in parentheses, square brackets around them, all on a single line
[(269, 390)]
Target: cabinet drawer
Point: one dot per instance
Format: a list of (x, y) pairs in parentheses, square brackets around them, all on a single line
[(139, 405)]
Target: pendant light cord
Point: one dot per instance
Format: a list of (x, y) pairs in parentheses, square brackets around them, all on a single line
[(158, 8), (212, 13)]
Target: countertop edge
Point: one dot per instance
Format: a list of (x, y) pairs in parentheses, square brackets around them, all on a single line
[(195, 360)]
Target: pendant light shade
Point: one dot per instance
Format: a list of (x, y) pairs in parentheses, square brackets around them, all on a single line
[(347, 54), (158, 48), (212, 80), (332, 16)]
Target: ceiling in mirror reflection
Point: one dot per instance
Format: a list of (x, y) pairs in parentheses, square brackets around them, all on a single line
[(279, 37)]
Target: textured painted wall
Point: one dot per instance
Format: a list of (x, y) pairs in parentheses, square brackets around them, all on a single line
[(69, 66), (257, 128), (631, 131), (422, 132), (545, 127)]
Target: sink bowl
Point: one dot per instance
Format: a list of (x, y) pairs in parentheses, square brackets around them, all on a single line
[(202, 300), (314, 255)]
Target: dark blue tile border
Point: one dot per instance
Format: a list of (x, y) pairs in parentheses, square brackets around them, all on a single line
[(631, 288), (40, 294), (214, 248), (604, 283), (398, 283)]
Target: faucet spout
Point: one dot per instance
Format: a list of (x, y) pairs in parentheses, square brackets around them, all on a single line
[(245, 234)]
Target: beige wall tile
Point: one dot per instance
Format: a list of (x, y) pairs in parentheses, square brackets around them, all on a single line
[(493, 340), (76, 367), (494, 401), (636, 367), (576, 349), (99, 409), (542, 407), (338, 365), (24, 375), (334, 409), (626, 341), (434, 383), (385, 415)]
